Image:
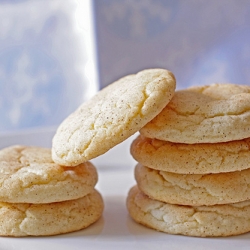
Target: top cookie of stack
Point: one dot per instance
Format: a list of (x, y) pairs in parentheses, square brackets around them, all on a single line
[(205, 114)]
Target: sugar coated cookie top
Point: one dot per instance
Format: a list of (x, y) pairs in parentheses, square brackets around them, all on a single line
[(112, 115), (28, 174), (204, 114)]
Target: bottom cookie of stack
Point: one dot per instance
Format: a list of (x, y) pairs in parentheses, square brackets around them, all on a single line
[(26, 219), (201, 221)]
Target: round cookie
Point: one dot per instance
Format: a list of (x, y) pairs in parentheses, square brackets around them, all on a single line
[(200, 221), (194, 190), (26, 219), (204, 114), (28, 174), (200, 158), (112, 115)]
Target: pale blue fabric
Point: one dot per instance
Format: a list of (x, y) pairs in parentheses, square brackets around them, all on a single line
[(42, 63)]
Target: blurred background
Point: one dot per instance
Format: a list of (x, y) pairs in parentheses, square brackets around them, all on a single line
[(56, 54), (47, 61)]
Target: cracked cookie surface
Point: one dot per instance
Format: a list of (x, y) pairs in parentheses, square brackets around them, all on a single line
[(26, 219), (28, 174), (199, 158), (195, 189), (112, 115), (200, 221), (204, 114)]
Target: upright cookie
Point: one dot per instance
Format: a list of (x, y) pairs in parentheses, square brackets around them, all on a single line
[(194, 189), (200, 158), (201, 221), (26, 219), (28, 174), (205, 114), (112, 115)]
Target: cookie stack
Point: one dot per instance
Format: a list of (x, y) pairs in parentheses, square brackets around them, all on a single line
[(40, 197), (193, 171)]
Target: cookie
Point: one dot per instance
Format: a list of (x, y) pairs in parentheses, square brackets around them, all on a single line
[(206, 114), (112, 115), (194, 190), (200, 221), (200, 158), (28, 174), (26, 219)]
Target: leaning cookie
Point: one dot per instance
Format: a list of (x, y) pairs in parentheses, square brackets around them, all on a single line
[(200, 158), (200, 221), (206, 114), (194, 190), (28, 174), (26, 219), (112, 115)]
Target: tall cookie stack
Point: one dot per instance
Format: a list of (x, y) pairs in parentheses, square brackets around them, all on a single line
[(193, 173), (39, 197)]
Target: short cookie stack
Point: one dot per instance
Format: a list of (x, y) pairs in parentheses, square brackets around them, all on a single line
[(39, 197), (193, 173)]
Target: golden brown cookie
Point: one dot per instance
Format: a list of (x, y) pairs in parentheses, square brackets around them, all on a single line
[(28, 174), (112, 115), (204, 114), (26, 219), (194, 189), (200, 158), (201, 221)]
